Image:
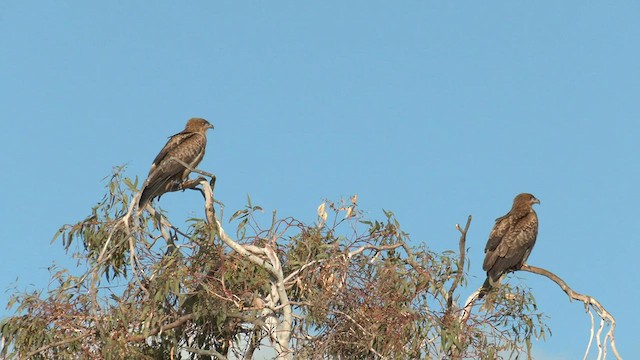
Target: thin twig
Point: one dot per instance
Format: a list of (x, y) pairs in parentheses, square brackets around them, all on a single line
[(303, 267), (373, 247), (460, 265), (213, 353), (155, 331), (59, 343), (457, 351), (253, 343)]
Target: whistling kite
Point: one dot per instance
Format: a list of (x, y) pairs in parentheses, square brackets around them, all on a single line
[(166, 174), (511, 240)]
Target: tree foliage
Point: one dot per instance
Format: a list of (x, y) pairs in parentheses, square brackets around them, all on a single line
[(340, 287)]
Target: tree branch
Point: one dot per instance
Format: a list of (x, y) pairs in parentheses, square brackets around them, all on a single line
[(59, 343), (373, 247), (191, 184), (188, 167), (213, 353), (588, 301), (270, 263), (253, 342), (456, 352), (180, 321), (460, 271)]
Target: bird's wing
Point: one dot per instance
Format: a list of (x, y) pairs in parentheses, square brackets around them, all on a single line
[(501, 227), (173, 142), (516, 244), (187, 147)]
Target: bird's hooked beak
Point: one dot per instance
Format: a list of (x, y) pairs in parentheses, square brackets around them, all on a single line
[(210, 126), (535, 201)]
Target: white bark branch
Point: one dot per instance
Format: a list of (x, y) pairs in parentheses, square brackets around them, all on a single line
[(586, 353), (373, 247), (270, 263), (590, 303)]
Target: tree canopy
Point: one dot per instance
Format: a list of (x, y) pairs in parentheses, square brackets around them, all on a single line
[(341, 287)]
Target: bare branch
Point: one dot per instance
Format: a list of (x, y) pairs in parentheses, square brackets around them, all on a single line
[(457, 351), (598, 337), (586, 353), (588, 301), (466, 309), (461, 259)]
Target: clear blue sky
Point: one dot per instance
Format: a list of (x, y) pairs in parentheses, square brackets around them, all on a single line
[(434, 110)]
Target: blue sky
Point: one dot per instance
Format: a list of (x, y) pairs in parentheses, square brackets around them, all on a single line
[(434, 110)]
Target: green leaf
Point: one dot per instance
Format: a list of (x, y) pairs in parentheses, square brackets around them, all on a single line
[(58, 233), (129, 184), (236, 214)]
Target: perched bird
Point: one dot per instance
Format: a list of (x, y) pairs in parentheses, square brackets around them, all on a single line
[(511, 240), (166, 174)]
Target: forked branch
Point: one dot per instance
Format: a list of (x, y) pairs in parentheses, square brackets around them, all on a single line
[(270, 262), (460, 266), (589, 303)]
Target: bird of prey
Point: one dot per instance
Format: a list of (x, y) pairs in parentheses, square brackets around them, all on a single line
[(511, 240), (166, 174)]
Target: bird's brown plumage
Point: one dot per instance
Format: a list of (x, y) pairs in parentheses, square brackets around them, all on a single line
[(511, 240), (188, 146)]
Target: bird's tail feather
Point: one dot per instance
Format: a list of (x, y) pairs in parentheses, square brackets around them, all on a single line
[(149, 192), (486, 287), (145, 198)]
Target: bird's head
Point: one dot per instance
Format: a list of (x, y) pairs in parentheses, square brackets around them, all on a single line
[(198, 124), (524, 199)]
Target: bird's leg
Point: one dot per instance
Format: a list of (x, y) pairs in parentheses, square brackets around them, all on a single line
[(172, 186), (191, 184)]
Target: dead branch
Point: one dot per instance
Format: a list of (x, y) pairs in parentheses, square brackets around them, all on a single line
[(590, 303), (461, 259), (456, 353)]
